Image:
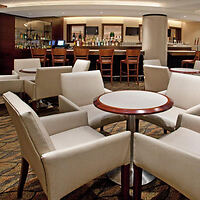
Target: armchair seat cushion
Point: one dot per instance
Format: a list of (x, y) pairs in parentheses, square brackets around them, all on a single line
[(74, 137), (166, 119), (98, 118)]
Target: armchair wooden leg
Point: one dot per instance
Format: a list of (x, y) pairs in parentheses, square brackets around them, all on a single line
[(34, 105), (137, 125), (125, 181), (165, 131), (120, 72), (137, 184), (23, 175)]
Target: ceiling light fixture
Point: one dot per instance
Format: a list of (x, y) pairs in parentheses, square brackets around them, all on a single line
[(83, 2)]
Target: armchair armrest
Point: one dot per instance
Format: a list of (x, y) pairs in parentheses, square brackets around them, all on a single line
[(195, 110), (64, 121), (14, 85), (78, 165), (191, 122), (14, 73), (29, 88), (163, 92), (107, 90), (65, 105)]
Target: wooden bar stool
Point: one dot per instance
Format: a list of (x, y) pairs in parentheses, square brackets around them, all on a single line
[(59, 56), (106, 59), (187, 62), (81, 53), (41, 54), (132, 59)]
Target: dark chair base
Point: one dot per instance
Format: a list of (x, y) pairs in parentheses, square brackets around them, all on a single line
[(23, 175)]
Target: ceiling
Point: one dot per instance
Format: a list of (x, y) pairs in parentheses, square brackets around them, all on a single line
[(175, 9)]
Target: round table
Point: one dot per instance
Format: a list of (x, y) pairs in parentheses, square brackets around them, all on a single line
[(132, 103), (29, 70), (185, 70)]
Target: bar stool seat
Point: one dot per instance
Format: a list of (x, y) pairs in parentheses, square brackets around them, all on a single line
[(130, 61), (191, 62), (132, 58)]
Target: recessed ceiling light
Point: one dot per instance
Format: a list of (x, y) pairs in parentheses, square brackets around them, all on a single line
[(101, 12), (85, 2), (184, 16)]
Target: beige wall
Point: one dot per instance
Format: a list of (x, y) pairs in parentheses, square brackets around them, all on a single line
[(190, 31)]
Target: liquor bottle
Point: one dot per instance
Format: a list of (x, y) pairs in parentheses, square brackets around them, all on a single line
[(73, 37)]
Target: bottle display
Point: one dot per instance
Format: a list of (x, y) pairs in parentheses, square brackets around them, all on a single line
[(33, 34)]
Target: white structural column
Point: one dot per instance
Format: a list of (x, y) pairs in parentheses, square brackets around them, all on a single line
[(154, 42)]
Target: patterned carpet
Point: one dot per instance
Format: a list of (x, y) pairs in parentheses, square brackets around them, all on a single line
[(100, 189)]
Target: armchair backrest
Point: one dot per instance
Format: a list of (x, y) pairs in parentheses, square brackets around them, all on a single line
[(152, 62), (48, 81), (26, 63), (184, 90), (197, 64), (82, 87), (156, 78), (81, 65), (33, 137)]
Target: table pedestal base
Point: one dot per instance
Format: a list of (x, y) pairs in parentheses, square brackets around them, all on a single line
[(115, 176)]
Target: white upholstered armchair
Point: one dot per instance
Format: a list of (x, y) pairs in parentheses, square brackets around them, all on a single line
[(46, 84), (11, 83), (25, 63), (184, 91), (174, 158), (152, 62), (81, 65), (156, 78), (64, 151), (78, 91)]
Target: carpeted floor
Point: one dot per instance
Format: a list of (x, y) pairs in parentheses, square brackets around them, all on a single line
[(100, 189)]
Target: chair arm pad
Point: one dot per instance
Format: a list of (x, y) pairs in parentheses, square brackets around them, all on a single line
[(107, 90), (64, 121), (65, 105), (29, 88), (195, 110), (191, 122), (14, 85), (163, 92), (14, 73), (78, 165)]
